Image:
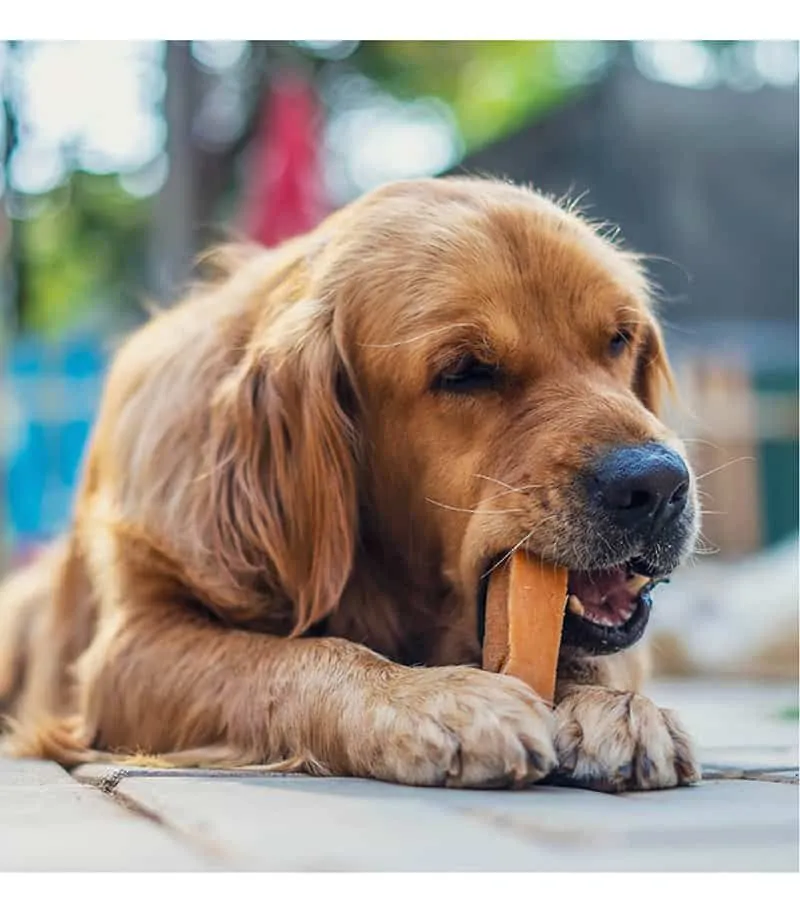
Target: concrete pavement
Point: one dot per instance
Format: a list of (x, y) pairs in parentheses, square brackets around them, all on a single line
[(743, 817)]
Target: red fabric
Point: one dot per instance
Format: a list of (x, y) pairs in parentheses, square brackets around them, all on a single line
[(285, 196)]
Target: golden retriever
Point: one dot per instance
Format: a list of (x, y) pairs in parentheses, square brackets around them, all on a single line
[(300, 477)]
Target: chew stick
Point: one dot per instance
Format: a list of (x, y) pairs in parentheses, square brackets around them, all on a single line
[(525, 603)]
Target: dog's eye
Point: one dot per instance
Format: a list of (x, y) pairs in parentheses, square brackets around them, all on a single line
[(618, 343), (468, 374)]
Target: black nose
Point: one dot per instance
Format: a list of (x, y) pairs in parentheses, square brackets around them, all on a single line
[(642, 486)]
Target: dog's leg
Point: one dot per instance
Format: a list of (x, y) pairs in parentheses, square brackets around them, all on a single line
[(161, 679), (610, 737)]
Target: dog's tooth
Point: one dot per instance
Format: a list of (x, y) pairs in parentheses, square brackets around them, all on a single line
[(575, 605), (637, 582)]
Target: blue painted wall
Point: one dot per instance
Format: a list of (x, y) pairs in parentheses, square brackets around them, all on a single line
[(49, 394)]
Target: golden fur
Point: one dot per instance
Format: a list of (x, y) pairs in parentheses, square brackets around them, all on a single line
[(280, 530)]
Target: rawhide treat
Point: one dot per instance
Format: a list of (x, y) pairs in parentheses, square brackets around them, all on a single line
[(525, 603)]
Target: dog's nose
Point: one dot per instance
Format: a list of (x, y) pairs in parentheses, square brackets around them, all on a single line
[(642, 486)]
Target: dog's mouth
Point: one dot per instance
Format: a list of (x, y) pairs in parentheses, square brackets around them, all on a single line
[(607, 610)]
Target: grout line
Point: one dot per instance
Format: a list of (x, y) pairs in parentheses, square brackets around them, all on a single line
[(108, 784)]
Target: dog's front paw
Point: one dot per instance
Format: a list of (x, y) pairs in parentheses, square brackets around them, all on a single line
[(457, 727), (619, 741)]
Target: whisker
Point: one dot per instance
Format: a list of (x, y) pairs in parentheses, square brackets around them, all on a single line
[(520, 490), (510, 487), (517, 546), (702, 549), (725, 466), (509, 554), (475, 509), (696, 440)]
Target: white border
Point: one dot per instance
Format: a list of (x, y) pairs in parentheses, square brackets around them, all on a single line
[(387, 886), (407, 20)]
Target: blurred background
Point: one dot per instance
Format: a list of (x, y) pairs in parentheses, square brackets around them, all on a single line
[(122, 160)]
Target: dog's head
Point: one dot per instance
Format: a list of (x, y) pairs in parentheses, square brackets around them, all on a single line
[(474, 369)]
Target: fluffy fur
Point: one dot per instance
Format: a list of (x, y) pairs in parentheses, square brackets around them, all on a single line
[(280, 529)]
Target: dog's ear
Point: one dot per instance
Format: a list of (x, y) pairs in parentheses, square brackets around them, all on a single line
[(654, 377), (284, 484)]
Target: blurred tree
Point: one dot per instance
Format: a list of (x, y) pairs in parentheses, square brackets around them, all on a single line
[(84, 246), (12, 257), (491, 86), (76, 247), (88, 241)]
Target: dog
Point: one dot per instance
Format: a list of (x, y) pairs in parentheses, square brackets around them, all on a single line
[(301, 476)]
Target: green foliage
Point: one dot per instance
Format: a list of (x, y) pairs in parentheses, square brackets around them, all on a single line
[(491, 86), (80, 243)]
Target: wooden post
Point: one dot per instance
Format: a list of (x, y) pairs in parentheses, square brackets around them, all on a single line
[(722, 431)]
